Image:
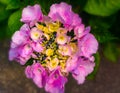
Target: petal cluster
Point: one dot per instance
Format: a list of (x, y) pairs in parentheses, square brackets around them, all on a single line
[(54, 46)]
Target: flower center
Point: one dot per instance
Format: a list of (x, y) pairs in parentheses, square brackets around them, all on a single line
[(56, 43)]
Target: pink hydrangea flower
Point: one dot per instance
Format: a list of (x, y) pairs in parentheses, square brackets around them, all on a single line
[(55, 82), (35, 34), (72, 63), (32, 14), (37, 47), (80, 30), (21, 53), (21, 50), (65, 50), (88, 45), (62, 39), (18, 38), (26, 50), (84, 68), (13, 54), (58, 44), (76, 20), (25, 29), (37, 73), (63, 12)]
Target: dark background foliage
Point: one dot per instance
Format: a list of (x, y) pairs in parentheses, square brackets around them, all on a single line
[(102, 15)]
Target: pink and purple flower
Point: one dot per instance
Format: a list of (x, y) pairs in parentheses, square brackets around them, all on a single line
[(57, 44)]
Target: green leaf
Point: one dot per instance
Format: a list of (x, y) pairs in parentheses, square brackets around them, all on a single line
[(3, 13), (97, 63), (29, 62), (45, 5), (104, 37), (5, 2), (14, 22), (118, 49), (111, 52), (115, 28), (102, 7), (100, 28), (3, 28), (78, 5), (13, 4)]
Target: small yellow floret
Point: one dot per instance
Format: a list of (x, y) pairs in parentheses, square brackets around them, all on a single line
[(61, 39), (35, 35), (40, 27), (53, 26), (49, 52), (62, 65), (47, 36), (64, 50), (62, 31), (73, 47), (54, 63), (45, 29)]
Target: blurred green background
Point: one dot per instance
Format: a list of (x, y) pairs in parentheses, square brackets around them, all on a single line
[(102, 15)]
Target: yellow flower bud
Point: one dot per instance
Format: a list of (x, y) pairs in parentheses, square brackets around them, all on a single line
[(45, 29), (73, 47), (47, 36), (49, 52), (62, 31), (65, 50), (53, 26), (53, 63), (40, 27), (35, 33), (62, 65), (62, 39)]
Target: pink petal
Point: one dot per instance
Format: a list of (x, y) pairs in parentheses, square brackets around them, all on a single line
[(31, 14), (88, 45), (18, 38), (13, 54), (84, 68), (81, 76), (61, 12), (72, 63), (37, 47)]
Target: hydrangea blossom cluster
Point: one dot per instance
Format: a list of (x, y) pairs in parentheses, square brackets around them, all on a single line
[(57, 44)]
